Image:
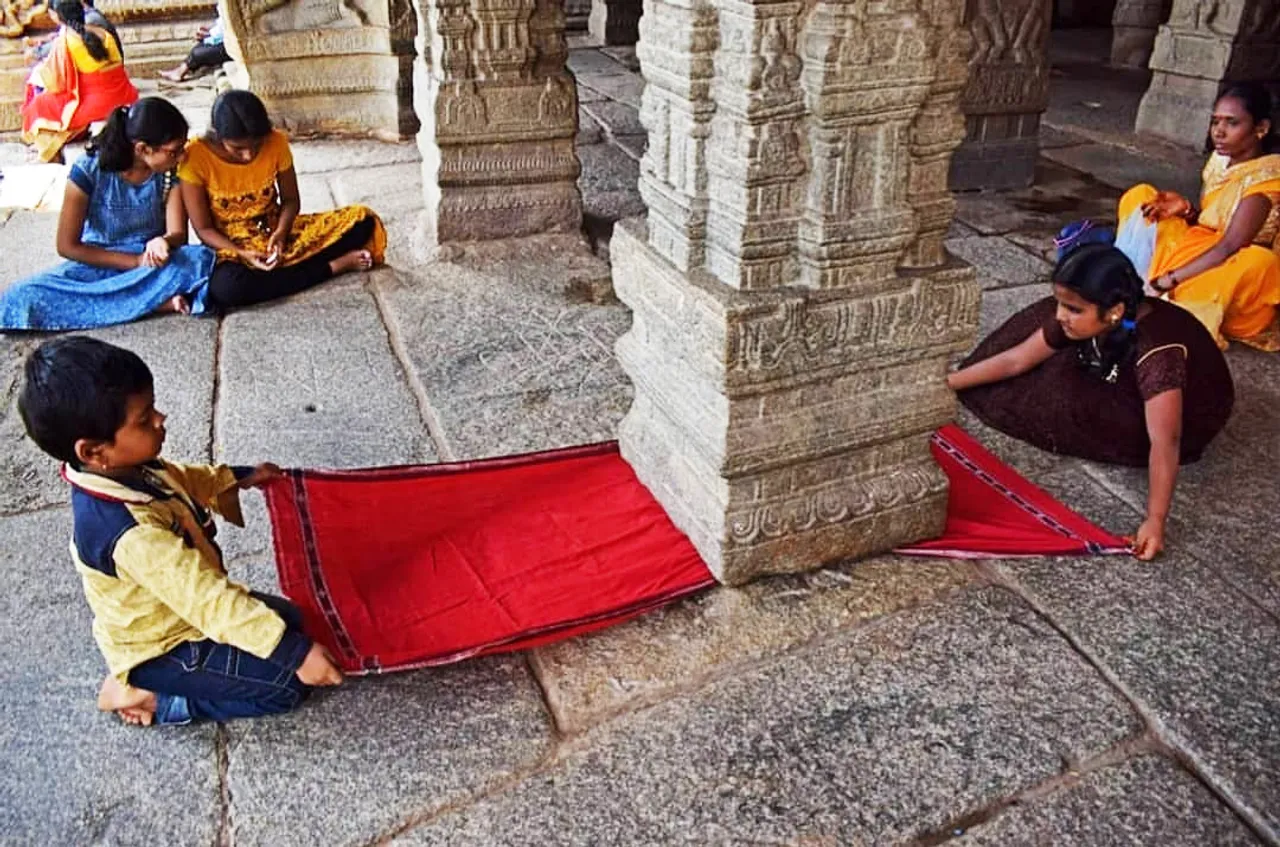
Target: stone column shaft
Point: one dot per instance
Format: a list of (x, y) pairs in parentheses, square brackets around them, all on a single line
[(1205, 44), (499, 114), (1133, 30), (787, 373), (1007, 91)]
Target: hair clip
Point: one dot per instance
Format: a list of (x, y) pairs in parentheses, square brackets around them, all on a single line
[(1129, 324)]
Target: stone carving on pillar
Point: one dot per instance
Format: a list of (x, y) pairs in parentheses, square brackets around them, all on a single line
[(615, 21), (320, 66), (793, 308), (1007, 90), (499, 115), (404, 34), (1205, 44), (1133, 30)]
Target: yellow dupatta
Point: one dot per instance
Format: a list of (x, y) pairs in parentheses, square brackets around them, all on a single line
[(1225, 187)]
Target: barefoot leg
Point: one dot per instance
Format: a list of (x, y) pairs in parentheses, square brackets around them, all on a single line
[(356, 260), (133, 705), (175, 305)]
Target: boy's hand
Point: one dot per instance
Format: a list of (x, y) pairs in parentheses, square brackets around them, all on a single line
[(318, 668), (262, 475)]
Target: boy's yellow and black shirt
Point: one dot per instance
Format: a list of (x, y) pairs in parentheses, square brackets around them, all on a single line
[(153, 575)]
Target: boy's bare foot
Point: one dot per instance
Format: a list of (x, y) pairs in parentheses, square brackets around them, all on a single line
[(135, 706), (356, 260), (175, 305)]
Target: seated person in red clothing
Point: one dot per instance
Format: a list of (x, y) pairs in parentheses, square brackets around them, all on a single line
[(1101, 372)]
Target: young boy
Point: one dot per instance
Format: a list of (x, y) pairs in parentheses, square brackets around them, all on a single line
[(182, 642)]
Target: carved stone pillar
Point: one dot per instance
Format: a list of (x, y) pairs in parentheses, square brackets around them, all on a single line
[(787, 372), (404, 35), (1133, 30), (499, 114), (615, 21), (1205, 44), (319, 65), (1007, 91), (576, 15)]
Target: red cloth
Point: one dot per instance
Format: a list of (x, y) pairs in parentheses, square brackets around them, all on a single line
[(992, 512), (406, 567), (415, 566)]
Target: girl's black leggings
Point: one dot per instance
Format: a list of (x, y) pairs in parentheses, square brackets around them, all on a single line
[(233, 285)]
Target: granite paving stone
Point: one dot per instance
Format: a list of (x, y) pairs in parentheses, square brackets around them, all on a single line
[(589, 132), (634, 146), (1145, 800), (356, 761), (620, 118), (517, 363), (29, 245), (1121, 169), (72, 774), (589, 678), (998, 263), (590, 63), (311, 382), (625, 88), (350, 155), (395, 193), (179, 351), (1195, 651), (315, 193), (1060, 195), (1000, 304), (625, 55), (875, 737)]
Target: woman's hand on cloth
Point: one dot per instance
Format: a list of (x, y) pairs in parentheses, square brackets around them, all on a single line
[(257, 259), (1167, 204)]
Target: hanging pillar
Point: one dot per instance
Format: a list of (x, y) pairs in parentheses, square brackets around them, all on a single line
[(793, 308), (1007, 91), (1133, 31), (321, 66), (499, 115), (1203, 46), (615, 21), (576, 15)]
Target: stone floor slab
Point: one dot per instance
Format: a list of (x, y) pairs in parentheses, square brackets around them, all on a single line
[(73, 775), (624, 88), (620, 118), (1060, 195), (1145, 800), (180, 353), (591, 62), (280, 399), (871, 738), (999, 305), (1121, 169), (506, 356), (1194, 650), (357, 761), (587, 679), (998, 263), (354, 155), (29, 244)]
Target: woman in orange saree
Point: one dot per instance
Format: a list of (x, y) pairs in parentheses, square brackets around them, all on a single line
[(1220, 262), (80, 81)]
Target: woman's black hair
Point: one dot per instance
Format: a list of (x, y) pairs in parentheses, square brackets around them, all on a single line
[(239, 114), (1257, 101), (77, 387), (152, 120), (71, 13), (1104, 276)]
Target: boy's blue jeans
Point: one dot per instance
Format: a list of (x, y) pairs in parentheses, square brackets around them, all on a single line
[(207, 680)]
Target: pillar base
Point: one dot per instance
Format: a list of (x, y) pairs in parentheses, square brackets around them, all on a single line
[(788, 429), (1177, 108)]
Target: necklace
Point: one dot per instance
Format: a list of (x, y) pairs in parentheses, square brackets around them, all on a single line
[(1113, 374)]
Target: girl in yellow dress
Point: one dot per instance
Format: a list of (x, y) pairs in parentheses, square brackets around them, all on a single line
[(1218, 262), (241, 192)]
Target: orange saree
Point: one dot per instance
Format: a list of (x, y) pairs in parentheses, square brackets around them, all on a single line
[(69, 90), (1237, 299)]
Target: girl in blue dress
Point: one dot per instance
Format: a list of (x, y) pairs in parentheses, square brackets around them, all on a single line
[(123, 230)]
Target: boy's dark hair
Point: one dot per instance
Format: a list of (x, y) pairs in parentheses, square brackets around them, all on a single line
[(76, 387), (239, 114)]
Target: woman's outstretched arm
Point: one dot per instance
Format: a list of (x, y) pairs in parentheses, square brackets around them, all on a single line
[(75, 207), (1019, 359), (1246, 222), (1164, 429)]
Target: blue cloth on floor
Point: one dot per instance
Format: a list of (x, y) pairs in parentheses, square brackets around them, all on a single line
[(121, 217)]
